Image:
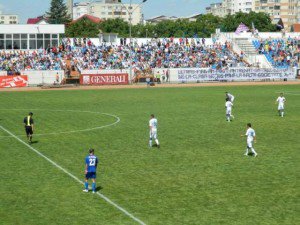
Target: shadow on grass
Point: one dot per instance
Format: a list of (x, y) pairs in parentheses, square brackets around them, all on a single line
[(99, 188)]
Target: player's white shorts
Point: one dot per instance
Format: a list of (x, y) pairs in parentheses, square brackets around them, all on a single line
[(153, 134), (280, 107), (249, 144), (228, 111)]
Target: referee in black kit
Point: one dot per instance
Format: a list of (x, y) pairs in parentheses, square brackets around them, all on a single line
[(28, 121)]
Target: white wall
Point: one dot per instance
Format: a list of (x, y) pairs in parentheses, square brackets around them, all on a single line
[(263, 35), (96, 41), (32, 29), (42, 77)]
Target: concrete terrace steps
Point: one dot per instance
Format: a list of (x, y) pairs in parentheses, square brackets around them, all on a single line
[(246, 46)]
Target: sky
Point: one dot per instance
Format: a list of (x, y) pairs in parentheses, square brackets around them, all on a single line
[(33, 8)]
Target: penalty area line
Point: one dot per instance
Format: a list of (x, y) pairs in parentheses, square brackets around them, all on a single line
[(72, 176)]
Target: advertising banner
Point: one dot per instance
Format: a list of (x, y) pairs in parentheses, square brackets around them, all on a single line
[(104, 79), (194, 75), (231, 74), (13, 81)]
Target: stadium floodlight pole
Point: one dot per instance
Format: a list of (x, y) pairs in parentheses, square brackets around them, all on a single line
[(130, 12)]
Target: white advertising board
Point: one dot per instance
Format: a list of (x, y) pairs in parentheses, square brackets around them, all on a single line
[(43, 76), (232, 74)]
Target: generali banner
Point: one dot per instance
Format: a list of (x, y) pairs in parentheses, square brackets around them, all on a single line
[(104, 79), (13, 81)]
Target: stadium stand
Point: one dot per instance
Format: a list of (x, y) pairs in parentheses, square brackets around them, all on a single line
[(281, 53), (155, 54)]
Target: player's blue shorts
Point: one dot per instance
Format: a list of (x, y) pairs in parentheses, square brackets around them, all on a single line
[(90, 175)]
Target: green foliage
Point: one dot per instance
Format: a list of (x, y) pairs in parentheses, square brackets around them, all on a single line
[(115, 26), (204, 26), (58, 13), (261, 21), (198, 176), (83, 28)]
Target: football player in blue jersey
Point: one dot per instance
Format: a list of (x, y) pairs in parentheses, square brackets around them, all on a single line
[(91, 162)]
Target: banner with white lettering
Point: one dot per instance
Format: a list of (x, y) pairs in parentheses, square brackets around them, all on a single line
[(13, 81), (231, 74), (104, 79), (194, 75)]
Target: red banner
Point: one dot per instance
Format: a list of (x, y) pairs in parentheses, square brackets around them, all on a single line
[(104, 79), (13, 81)]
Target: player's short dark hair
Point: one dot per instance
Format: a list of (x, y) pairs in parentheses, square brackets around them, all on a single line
[(152, 115), (31, 114), (91, 150), (227, 99), (249, 124)]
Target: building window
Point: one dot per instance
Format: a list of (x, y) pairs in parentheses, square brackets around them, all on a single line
[(16, 44), (32, 44), (8, 44), (16, 36), (1, 44), (24, 41)]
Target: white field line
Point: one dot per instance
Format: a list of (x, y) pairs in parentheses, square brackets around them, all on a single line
[(72, 131), (74, 177)]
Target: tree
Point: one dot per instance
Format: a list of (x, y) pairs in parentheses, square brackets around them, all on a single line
[(83, 28), (207, 25), (58, 13), (261, 21), (115, 26)]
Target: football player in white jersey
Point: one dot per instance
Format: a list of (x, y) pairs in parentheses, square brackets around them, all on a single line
[(228, 106), (153, 131), (230, 96), (250, 134), (280, 100)]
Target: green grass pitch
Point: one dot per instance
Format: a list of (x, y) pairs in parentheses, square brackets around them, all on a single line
[(199, 176)]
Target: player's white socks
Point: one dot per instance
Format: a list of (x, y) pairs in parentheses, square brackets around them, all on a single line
[(282, 114), (246, 152), (150, 143), (156, 141), (252, 149)]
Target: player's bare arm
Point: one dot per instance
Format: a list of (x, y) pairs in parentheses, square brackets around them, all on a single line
[(86, 169)]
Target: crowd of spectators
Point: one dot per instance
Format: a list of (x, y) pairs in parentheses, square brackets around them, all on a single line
[(164, 53), (281, 53), (82, 54), (16, 61)]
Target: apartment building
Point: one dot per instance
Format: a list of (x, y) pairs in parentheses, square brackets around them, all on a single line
[(217, 9), (109, 9), (9, 19), (287, 10), (228, 7)]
